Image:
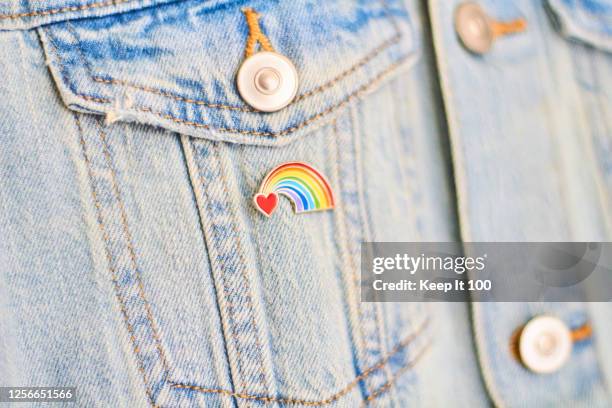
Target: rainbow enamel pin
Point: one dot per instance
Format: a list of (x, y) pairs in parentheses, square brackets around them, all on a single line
[(302, 184)]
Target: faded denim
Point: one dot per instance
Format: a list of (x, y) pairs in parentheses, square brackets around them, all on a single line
[(134, 266)]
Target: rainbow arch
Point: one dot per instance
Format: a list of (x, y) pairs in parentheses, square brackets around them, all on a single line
[(304, 186)]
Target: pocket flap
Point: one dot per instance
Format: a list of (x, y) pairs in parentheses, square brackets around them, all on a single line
[(588, 21), (174, 65), (23, 15)]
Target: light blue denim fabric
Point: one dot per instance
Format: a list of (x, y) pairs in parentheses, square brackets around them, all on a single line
[(134, 266), (586, 21), (529, 124)]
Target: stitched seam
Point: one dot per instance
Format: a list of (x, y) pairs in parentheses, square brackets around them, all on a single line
[(365, 374), (369, 57), (113, 81), (198, 183), (363, 61), (582, 333), (313, 118), (240, 251), (268, 399), (365, 229), (110, 262), (373, 309), (356, 94), (227, 305), (132, 255), (65, 9), (385, 387), (255, 34), (347, 253), (63, 72), (130, 246), (109, 256), (380, 322), (260, 260)]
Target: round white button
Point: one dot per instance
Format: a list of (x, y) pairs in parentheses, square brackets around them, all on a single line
[(545, 344), (267, 81), (473, 27)]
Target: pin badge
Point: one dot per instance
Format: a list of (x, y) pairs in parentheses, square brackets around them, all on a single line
[(304, 186)]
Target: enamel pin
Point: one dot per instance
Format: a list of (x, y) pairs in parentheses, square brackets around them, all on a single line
[(303, 185)]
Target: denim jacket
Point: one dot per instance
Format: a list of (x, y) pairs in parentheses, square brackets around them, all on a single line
[(134, 266)]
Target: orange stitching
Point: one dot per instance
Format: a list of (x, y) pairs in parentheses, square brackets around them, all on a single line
[(110, 261), (582, 333), (201, 180), (128, 236), (366, 373), (329, 399), (241, 255), (198, 182), (94, 99), (346, 252), (358, 93), (171, 95), (113, 81), (501, 28), (63, 74), (362, 216), (255, 34), (399, 372), (578, 334), (140, 87), (368, 57), (65, 9)]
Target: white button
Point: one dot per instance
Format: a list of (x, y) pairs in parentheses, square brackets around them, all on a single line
[(267, 81), (545, 344), (473, 27)]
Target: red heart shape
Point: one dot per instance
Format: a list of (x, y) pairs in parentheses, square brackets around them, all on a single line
[(266, 203)]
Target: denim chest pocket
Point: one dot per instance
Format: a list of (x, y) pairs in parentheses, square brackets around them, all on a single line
[(174, 66), (262, 311)]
